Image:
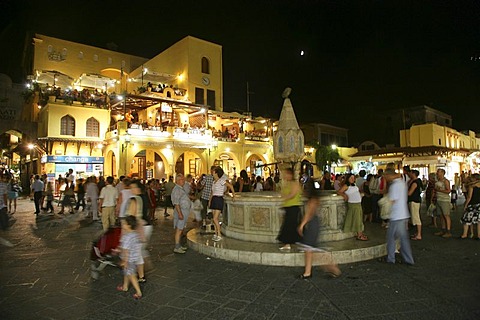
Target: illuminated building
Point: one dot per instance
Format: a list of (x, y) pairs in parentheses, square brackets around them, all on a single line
[(148, 118)]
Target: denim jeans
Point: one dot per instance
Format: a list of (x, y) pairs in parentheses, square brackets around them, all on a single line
[(397, 229)]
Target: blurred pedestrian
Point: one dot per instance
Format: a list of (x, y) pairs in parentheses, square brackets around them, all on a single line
[(291, 192), (309, 230)]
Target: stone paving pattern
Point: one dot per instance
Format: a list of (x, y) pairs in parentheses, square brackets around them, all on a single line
[(46, 275)]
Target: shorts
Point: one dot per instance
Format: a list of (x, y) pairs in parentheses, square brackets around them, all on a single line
[(415, 213), (12, 195), (217, 203), (180, 224), (443, 207)]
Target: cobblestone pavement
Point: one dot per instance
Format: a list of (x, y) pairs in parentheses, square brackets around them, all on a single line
[(46, 275)]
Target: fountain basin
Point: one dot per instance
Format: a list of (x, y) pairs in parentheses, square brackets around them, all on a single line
[(257, 217)]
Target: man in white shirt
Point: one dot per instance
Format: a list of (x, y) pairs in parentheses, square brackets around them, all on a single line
[(108, 199), (397, 193)]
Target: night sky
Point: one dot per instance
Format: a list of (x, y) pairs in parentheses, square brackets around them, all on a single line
[(360, 56)]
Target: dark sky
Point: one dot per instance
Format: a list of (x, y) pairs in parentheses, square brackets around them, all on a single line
[(360, 56)]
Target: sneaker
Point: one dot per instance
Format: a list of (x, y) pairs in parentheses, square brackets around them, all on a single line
[(142, 280), (439, 233), (447, 235), (184, 248), (216, 238), (179, 250)]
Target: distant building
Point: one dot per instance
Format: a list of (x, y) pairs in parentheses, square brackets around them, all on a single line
[(325, 134), (383, 127), (427, 147)]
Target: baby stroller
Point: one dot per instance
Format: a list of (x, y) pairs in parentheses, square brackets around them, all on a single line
[(103, 251)]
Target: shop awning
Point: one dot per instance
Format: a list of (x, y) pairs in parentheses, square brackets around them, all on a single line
[(409, 152), (97, 81), (54, 78)]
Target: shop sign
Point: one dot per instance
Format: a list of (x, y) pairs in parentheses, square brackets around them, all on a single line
[(71, 159)]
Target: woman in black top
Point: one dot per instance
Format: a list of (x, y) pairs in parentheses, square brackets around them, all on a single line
[(472, 207), (414, 200)]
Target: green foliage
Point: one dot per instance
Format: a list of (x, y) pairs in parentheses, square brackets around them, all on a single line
[(325, 156)]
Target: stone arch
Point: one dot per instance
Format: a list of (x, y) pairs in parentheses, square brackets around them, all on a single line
[(110, 164), (229, 163), (252, 161), (190, 162), (148, 164)]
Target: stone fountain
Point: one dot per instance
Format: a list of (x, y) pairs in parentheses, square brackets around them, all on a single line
[(251, 223)]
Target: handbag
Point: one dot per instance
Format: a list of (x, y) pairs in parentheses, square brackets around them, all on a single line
[(385, 207), (431, 209)]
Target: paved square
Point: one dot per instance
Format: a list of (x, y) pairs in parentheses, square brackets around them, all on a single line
[(46, 275)]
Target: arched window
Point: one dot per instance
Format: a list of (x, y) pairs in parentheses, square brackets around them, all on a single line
[(280, 144), (205, 65), (93, 128), (67, 126)]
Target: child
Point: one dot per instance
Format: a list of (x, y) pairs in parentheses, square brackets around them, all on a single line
[(453, 197), (258, 184), (131, 255), (197, 209)]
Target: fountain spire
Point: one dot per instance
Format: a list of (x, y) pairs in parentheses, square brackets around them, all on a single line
[(288, 143)]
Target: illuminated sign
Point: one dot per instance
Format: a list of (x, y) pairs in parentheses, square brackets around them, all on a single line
[(71, 159)]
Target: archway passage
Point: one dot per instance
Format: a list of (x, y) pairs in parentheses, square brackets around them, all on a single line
[(254, 165), (190, 163), (146, 165), (228, 163)]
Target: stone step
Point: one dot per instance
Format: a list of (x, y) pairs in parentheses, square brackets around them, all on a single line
[(340, 252)]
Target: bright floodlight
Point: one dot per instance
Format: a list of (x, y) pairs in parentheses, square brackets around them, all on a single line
[(334, 146), (31, 146)]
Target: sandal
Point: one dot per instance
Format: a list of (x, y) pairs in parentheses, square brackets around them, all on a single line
[(137, 296), (120, 288), (362, 238)]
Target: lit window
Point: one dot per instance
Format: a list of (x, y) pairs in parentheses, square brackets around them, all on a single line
[(95, 57), (93, 127), (64, 52), (50, 49), (80, 55), (205, 65), (67, 126)]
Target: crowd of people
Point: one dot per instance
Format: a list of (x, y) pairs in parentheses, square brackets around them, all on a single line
[(388, 197)]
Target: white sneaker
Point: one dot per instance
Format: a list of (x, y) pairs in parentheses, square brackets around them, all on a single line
[(184, 248), (179, 250), (216, 238)]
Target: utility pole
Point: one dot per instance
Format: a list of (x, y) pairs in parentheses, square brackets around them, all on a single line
[(248, 97)]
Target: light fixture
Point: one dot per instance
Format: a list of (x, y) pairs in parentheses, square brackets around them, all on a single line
[(334, 146), (30, 146)]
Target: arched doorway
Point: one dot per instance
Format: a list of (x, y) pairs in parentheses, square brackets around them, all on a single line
[(190, 163), (147, 164), (254, 165), (229, 163)]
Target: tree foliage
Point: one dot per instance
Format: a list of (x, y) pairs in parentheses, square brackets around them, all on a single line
[(325, 156)]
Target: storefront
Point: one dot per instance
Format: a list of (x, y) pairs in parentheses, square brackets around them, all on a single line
[(83, 166)]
